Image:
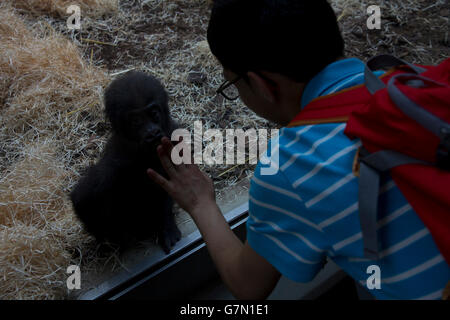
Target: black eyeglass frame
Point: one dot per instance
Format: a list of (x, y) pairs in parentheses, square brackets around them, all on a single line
[(226, 84)]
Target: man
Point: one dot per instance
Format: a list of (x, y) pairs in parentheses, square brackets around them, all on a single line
[(280, 55)]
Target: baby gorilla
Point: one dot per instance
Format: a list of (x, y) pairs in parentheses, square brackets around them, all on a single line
[(116, 200)]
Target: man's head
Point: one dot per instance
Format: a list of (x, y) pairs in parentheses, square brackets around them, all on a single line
[(271, 40)]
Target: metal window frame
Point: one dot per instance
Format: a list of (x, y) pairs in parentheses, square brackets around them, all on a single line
[(173, 276), (188, 270)]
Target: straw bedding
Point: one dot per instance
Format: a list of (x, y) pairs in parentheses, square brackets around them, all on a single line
[(51, 121), (42, 79), (59, 7)]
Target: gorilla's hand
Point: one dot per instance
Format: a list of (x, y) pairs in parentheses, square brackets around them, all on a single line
[(169, 236)]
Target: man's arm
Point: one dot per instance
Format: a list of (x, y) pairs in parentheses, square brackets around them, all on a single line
[(246, 274)]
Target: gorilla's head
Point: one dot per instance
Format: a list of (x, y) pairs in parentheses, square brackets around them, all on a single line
[(136, 105)]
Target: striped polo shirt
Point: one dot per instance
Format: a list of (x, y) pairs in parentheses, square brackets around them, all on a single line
[(308, 210)]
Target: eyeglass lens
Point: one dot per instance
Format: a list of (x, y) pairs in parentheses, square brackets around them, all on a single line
[(231, 92)]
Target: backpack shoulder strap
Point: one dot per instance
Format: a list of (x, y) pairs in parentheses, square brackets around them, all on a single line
[(336, 107)]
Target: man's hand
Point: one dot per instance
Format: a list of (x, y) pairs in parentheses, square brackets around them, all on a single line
[(247, 274), (187, 185)]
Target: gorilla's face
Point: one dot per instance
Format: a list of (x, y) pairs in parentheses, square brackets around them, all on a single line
[(136, 104), (147, 125)]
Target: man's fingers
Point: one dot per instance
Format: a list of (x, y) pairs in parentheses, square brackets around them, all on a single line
[(164, 183), (167, 145), (167, 164)]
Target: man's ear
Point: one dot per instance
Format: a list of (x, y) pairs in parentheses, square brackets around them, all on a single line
[(263, 87)]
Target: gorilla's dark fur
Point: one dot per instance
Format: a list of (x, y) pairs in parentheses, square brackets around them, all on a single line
[(116, 200)]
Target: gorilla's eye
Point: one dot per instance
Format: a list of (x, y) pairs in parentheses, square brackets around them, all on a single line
[(154, 114)]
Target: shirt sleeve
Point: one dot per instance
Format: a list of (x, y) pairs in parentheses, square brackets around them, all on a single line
[(279, 230)]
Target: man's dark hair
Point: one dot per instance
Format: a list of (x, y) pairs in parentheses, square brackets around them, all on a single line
[(296, 38)]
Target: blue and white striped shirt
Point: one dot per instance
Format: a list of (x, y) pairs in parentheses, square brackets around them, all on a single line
[(309, 209)]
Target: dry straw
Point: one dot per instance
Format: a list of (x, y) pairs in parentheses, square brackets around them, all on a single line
[(59, 7), (36, 226), (43, 78)]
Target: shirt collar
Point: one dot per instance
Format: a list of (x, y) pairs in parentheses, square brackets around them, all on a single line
[(329, 77)]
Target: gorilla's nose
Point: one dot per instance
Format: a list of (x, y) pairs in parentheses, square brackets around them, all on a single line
[(154, 135)]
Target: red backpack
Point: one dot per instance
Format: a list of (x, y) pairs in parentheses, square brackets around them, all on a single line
[(402, 119)]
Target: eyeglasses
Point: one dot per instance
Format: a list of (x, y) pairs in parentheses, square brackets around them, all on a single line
[(228, 90)]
